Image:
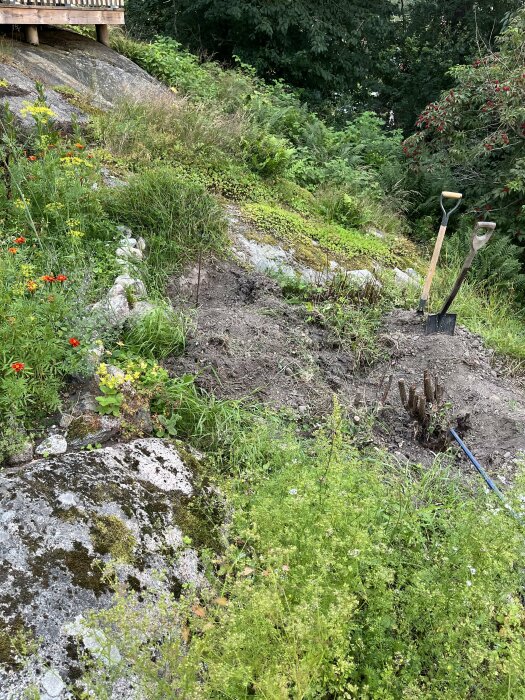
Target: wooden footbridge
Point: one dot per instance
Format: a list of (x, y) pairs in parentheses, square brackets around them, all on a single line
[(31, 14)]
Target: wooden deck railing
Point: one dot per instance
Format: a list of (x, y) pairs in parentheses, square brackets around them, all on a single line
[(84, 4)]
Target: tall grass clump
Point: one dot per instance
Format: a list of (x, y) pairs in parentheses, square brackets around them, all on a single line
[(157, 334), (177, 216)]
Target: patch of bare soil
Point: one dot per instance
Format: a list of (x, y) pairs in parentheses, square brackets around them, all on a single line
[(474, 384), (249, 342)]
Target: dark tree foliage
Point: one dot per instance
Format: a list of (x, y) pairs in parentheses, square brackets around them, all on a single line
[(431, 37), (323, 48)]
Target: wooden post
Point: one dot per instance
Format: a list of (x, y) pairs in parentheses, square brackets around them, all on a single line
[(103, 34), (31, 34)]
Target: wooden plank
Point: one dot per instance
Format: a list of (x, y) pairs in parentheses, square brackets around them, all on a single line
[(59, 15)]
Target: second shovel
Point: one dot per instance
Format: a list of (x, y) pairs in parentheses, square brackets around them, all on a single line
[(444, 322), (437, 246)]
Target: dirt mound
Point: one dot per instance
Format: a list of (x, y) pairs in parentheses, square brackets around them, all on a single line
[(474, 384), (249, 342)]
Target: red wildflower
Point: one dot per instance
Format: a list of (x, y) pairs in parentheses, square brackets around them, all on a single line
[(80, 146), (17, 366), (13, 250), (60, 278), (506, 189), (20, 240), (32, 158), (74, 342), (47, 278), (489, 146), (506, 88)]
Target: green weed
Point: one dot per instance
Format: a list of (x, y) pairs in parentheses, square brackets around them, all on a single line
[(346, 577), (159, 333)]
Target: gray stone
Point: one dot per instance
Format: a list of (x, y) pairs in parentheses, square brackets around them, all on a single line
[(414, 274), (112, 311), (128, 242), (363, 277), (24, 454), (52, 561), (127, 253), (141, 244), (95, 641), (117, 290), (125, 231), (68, 59), (52, 445), (92, 429), (52, 684), (403, 278), (137, 285), (65, 420)]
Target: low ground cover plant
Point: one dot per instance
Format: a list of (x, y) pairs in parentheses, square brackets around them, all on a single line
[(346, 576)]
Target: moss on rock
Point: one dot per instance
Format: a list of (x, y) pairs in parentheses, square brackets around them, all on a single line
[(110, 535)]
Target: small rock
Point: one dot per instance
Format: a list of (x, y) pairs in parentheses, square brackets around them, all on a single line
[(113, 311), (53, 445), (141, 244), (25, 454), (402, 277), (412, 273), (125, 231), (92, 430), (52, 684), (126, 253), (363, 277), (128, 242), (127, 281), (86, 404), (116, 290), (65, 420)]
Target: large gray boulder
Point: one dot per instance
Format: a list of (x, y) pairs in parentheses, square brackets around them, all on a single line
[(64, 521), (68, 61)]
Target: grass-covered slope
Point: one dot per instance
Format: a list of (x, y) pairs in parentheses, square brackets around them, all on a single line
[(343, 575)]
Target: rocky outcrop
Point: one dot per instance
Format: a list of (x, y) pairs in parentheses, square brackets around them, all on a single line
[(70, 65), (63, 521)]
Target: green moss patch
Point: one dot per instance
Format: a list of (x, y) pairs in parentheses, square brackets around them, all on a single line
[(112, 536), (355, 247)]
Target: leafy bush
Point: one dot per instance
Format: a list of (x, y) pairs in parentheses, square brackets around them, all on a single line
[(476, 133)]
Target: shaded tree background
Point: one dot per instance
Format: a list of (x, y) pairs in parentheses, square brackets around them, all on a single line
[(342, 56)]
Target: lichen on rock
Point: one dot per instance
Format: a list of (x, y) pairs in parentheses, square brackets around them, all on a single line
[(72, 525)]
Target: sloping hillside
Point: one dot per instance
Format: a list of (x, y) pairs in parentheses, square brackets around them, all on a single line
[(211, 486)]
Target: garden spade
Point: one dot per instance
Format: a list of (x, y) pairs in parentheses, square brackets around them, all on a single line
[(444, 322), (437, 246)]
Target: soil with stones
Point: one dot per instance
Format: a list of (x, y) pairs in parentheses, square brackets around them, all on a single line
[(249, 342)]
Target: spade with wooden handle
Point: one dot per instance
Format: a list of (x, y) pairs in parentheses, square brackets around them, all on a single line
[(437, 246), (444, 322)]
